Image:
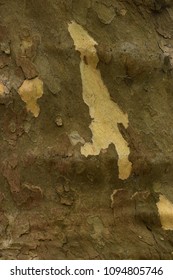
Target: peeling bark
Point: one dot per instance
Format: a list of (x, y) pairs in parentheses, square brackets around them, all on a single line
[(86, 113)]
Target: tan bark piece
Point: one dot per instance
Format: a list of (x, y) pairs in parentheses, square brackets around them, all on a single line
[(105, 113), (30, 91), (2, 89), (165, 208)]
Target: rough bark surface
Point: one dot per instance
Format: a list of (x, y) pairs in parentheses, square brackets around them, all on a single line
[(86, 134)]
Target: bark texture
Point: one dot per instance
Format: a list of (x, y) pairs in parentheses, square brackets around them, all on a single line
[(86, 129)]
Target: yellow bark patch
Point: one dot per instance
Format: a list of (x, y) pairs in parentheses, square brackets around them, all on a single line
[(165, 208), (30, 91), (2, 89), (105, 113)]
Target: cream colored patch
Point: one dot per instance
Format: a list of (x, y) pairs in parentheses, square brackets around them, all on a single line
[(2, 89), (165, 208), (105, 113), (75, 138), (30, 91)]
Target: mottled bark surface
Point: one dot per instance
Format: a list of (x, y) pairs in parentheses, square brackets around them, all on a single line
[(86, 129)]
